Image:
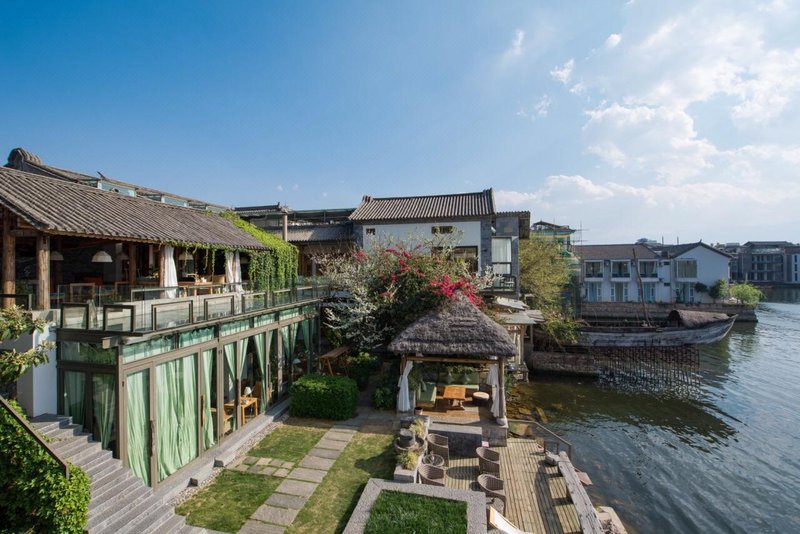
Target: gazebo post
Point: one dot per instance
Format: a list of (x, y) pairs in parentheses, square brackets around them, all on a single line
[(42, 271), (501, 371)]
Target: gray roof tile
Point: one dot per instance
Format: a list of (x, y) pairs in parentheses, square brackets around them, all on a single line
[(60, 206), (457, 206)]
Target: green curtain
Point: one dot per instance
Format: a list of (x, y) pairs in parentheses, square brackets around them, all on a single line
[(138, 385), (208, 377), (305, 328), (242, 343), (74, 396), (230, 379), (262, 366), (104, 403), (176, 409)]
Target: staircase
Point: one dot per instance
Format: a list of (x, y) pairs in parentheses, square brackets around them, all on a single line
[(120, 502)]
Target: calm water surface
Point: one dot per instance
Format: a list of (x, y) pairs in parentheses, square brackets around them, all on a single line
[(724, 459)]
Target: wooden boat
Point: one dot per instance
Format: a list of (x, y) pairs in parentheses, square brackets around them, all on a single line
[(683, 327)]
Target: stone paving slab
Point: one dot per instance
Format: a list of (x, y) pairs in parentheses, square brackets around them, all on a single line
[(267, 470), (338, 436), (255, 469), (242, 468), (276, 516), (282, 500), (330, 444), (325, 453), (315, 462), (282, 472), (309, 475), (249, 460), (297, 487), (350, 429), (276, 462), (264, 461), (257, 527)]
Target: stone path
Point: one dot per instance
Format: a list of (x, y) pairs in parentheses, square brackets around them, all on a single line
[(300, 481)]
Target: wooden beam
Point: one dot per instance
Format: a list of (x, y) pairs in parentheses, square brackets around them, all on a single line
[(444, 359), (42, 271), (132, 248), (9, 259), (590, 523)]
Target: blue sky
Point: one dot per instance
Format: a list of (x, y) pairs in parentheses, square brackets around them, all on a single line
[(631, 119)]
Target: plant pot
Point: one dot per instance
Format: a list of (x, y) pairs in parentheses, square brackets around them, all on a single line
[(418, 410), (433, 459)]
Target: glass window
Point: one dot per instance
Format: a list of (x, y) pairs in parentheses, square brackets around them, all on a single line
[(138, 412), (146, 349), (501, 255), (620, 269), (594, 269), (686, 268), (74, 351), (201, 335), (176, 414), (648, 269)]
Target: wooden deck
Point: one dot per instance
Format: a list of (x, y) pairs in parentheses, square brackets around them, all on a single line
[(537, 494)]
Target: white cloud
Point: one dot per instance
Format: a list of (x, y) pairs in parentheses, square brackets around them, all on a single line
[(279, 187), (613, 40), (516, 45), (563, 73), (539, 109)]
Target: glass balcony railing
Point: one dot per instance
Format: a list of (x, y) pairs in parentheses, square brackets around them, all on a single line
[(147, 309)]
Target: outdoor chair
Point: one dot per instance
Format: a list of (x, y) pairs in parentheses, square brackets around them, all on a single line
[(493, 487), (488, 460), (438, 444), (433, 476)]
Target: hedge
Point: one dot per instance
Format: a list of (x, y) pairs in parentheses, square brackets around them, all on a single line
[(34, 494), (324, 396), (361, 367)]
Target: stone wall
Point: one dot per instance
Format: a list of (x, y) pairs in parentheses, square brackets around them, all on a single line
[(633, 310)]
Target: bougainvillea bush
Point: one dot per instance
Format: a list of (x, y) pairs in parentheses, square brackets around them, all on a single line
[(389, 285)]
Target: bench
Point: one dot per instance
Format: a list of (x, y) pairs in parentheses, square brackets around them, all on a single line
[(331, 356)]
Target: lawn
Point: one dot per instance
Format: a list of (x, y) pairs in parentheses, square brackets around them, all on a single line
[(226, 504), (367, 456), (404, 512), (231, 499), (292, 440)]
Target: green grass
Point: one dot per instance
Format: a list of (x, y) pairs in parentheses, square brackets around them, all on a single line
[(229, 502), (404, 512), (291, 441), (367, 456)]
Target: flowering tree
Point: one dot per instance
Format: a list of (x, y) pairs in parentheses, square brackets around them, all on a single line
[(390, 285)]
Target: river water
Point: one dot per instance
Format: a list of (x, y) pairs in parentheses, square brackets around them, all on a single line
[(723, 458)]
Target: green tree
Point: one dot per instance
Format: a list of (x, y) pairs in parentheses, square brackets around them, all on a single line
[(746, 293), (14, 322), (544, 271), (718, 290)]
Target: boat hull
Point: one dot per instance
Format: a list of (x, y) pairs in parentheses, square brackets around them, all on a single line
[(670, 336)]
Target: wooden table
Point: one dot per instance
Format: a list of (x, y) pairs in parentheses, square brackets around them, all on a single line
[(456, 395), (245, 402)]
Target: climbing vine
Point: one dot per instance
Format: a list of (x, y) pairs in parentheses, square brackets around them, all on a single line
[(274, 268)]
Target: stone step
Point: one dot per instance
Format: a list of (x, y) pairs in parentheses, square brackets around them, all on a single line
[(94, 458), (67, 446), (107, 481), (89, 449), (63, 432), (128, 488), (143, 508), (173, 524), (158, 516), (48, 422), (121, 505)]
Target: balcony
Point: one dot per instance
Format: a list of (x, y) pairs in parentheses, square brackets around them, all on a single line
[(504, 283), (142, 310)]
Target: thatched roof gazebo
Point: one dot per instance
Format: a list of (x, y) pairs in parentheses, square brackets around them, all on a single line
[(456, 332)]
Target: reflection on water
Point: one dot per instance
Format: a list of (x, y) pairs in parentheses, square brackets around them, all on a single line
[(723, 460)]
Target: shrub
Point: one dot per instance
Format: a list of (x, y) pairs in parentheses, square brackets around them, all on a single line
[(323, 396), (408, 459), (34, 494), (418, 428), (719, 289), (361, 367), (746, 293), (385, 395)]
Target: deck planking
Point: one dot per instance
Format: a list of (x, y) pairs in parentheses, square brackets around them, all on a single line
[(537, 495)]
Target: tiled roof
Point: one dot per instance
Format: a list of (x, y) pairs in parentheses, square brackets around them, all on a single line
[(321, 233), (613, 252), (673, 251), (24, 160), (457, 206), (59, 206), (553, 226)]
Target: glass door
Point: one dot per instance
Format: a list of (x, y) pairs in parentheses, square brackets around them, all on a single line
[(139, 424)]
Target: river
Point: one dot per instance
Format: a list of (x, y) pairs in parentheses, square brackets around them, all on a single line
[(725, 458)]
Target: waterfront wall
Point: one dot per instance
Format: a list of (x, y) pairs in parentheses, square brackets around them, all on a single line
[(633, 310)]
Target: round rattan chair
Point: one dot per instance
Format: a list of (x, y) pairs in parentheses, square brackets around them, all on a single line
[(431, 475), (488, 460), (492, 487)]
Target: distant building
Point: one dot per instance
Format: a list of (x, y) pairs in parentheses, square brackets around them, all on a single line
[(764, 262), (612, 273), (559, 233)]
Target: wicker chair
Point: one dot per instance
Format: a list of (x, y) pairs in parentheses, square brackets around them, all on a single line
[(493, 487), (433, 476), (438, 444), (488, 460)]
